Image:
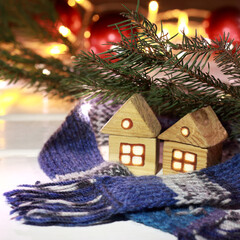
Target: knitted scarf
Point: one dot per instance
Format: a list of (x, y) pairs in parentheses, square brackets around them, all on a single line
[(87, 190)]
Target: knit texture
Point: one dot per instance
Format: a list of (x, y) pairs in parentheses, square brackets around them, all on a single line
[(72, 151), (190, 223), (99, 114), (189, 206), (94, 200)]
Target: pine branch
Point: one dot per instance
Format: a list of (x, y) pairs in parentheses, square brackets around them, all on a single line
[(174, 77), (183, 85)]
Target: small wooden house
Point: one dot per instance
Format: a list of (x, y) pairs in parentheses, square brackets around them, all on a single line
[(193, 143), (133, 132)]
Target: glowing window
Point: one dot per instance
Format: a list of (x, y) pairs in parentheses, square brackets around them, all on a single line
[(188, 167), (126, 148), (185, 131), (132, 154), (190, 157), (125, 159), (177, 154), (137, 150), (183, 161), (127, 123), (137, 161), (177, 166)]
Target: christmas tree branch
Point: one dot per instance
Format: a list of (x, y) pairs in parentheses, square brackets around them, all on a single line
[(170, 75), (174, 78)]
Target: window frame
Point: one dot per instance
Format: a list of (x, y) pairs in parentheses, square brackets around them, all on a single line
[(131, 154), (183, 161)]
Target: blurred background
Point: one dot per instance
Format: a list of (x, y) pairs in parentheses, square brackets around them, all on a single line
[(38, 42), (60, 29)]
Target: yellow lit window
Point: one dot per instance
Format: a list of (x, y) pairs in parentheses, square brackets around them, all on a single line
[(125, 159), (132, 154), (177, 154), (137, 150), (190, 157), (185, 131), (127, 123), (188, 167), (137, 161), (183, 161), (177, 166), (126, 148)]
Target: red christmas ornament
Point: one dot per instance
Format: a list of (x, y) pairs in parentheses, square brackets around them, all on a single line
[(102, 34), (224, 20), (68, 16)]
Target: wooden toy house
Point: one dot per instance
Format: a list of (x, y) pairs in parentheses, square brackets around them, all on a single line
[(133, 132), (193, 143)]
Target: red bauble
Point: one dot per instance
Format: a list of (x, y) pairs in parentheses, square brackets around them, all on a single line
[(226, 19), (68, 16), (102, 34)]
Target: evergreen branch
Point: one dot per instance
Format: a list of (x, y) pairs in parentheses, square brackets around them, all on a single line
[(228, 59), (171, 76), (195, 48), (183, 86)]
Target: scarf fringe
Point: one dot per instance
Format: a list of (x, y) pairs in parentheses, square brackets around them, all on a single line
[(72, 203)]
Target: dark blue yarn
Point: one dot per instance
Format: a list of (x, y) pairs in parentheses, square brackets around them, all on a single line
[(72, 148), (171, 221), (115, 195)]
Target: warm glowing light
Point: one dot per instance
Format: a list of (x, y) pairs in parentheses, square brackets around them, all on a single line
[(125, 159), (126, 148), (64, 31), (85, 4), (138, 150), (177, 165), (185, 131), (152, 11), (183, 23), (177, 154), (153, 6), (57, 49), (7, 98), (71, 3), (188, 167), (137, 161), (87, 34), (190, 157), (95, 18), (127, 123), (85, 108), (46, 72)]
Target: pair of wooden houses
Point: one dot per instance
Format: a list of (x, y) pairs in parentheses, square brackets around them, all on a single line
[(192, 143)]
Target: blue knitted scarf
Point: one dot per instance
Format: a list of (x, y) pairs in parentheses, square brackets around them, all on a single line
[(87, 190)]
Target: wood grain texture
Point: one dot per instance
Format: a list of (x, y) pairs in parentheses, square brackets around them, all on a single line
[(205, 129), (214, 155), (168, 147), (151, 160), (145, 123)]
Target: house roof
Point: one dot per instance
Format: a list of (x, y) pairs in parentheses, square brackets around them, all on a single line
[(144, 121), (205, 129)]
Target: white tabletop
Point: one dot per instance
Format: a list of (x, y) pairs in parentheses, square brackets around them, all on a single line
[(23, 131)]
